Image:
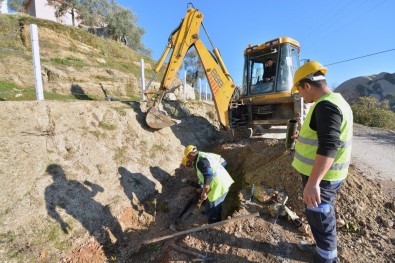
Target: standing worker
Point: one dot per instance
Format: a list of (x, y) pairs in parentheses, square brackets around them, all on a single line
[(322, 154), (215, 179)]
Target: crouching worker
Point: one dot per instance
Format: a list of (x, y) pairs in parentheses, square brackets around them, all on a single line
[(215, 179)]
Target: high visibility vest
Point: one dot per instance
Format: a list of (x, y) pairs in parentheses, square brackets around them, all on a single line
[(217, 158), (307, 143), (221, 178)]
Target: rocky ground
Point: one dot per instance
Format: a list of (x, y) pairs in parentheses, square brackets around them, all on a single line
[(90, 182)]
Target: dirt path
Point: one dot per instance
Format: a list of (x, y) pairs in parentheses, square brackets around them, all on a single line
[(374, 155)]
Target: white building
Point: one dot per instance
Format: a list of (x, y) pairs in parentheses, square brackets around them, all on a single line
[(41, 9), (4, 7)]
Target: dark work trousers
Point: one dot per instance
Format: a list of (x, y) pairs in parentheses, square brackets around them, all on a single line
[(214, 209), (322, 221)]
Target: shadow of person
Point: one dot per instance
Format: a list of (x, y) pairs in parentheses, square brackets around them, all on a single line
[(138, 188), (79, 93), (159, 174), (76, 199)]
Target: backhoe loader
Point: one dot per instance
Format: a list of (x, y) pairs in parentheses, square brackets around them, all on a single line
[(261, 101)]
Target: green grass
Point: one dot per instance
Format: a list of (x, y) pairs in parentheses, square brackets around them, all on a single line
[(117, 56), (11, 92), (69, 61), (107, 126), (120, 153)]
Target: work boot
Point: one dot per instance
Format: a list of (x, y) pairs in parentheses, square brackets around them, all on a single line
[(306, 247)]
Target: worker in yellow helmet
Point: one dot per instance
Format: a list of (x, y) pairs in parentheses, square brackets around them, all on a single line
[(187, 163), (213, 176), (322, 154)]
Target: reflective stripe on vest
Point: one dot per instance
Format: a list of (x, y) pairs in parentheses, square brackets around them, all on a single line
[(327, 254), (307, 143), (221, 178), (217, 158), (322, 208)]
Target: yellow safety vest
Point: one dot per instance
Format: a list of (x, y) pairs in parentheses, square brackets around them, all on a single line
[(217, 158), (221, 178), (307, 143)]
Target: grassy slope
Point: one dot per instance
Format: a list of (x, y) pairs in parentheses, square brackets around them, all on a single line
[(62, 47)]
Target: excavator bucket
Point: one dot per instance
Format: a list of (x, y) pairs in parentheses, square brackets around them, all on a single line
[(157, 120)]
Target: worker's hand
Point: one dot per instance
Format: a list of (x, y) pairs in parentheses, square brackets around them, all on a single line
[(311, 195), (203, 196), (296, 135), (200, 203)]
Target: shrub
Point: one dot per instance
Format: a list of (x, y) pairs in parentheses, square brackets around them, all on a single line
[(371, 112)]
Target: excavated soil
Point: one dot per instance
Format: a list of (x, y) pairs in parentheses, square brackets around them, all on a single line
[(90, 182)]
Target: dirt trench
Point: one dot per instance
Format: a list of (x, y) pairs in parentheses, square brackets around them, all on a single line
[(363, 237), (104, 172)]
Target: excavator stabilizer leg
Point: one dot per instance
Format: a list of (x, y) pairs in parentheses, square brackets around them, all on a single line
[(157, 120)]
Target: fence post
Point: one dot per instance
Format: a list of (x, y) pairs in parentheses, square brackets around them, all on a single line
[(142, 79), (184, 92), (36, 62), (206, 91), (200, 89)]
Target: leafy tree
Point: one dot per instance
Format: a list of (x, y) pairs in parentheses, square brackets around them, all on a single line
[(93, 12), (63, 7), (15, 5), (122, 26), (89, 12), (193, 67)]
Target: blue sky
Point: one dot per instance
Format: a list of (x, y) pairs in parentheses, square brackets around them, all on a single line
[(328, 31)]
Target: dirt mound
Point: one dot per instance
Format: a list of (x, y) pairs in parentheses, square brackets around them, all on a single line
[(89, 181)]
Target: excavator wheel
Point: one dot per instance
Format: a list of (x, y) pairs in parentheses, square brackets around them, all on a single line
[(158, 120)]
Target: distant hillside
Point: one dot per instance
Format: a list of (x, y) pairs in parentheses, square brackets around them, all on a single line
[(73, 62), (381, 86)]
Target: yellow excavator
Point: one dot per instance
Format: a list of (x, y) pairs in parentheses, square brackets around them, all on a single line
[(261, 101)]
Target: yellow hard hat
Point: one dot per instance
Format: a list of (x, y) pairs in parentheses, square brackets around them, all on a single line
[(306, 71), (189, 149), (184, 161)]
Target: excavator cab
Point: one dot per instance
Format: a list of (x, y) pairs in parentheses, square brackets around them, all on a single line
[(283, 58), (266, 98)]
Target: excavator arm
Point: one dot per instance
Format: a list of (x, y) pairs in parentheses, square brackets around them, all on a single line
[(220, 82)]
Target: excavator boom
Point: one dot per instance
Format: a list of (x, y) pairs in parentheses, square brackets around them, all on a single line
[(180, 41)]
